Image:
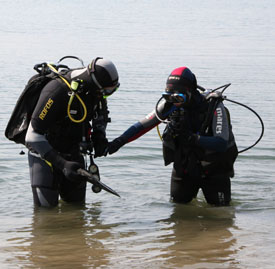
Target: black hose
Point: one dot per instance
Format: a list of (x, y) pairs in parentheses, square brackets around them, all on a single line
[(156, 111), (232, 101), (258, 116), (71, 57)]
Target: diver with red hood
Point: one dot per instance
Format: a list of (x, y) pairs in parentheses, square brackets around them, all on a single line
[(198, 140)]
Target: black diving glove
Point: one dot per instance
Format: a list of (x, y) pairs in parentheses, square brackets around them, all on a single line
[(70, 171), (68, 168), (100, 146), (116, 144), (190, 139)]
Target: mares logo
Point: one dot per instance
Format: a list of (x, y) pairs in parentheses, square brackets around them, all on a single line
[(174, 77), (219, 120), (46, 109)]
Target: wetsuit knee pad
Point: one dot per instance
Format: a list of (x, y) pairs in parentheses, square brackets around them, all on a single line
[(217, 190)]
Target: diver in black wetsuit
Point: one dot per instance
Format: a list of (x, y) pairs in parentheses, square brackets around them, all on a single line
[(54, 139), (198, 139)]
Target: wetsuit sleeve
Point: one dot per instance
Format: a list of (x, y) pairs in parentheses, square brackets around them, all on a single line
[(141, 127), (220, 130), (50, 107), (149, 122)]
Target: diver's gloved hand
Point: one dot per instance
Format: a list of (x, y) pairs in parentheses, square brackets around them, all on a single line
[(100, 147), (116, 144), (190, 139), (68, 168), (70, 171)]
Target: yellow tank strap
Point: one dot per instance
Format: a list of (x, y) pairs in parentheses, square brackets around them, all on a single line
[(73, 94)]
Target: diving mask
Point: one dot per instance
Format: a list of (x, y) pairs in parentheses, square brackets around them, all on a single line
[(174, 97)]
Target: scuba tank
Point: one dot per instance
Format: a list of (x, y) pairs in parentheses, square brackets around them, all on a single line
[(20, 118)]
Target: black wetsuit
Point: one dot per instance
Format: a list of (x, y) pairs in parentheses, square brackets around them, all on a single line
[(51, 128), (206, 164)]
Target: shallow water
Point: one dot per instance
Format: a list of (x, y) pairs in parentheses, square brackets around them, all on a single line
[(222, 42)]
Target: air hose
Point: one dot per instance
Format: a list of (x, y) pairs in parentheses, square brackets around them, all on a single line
[(258, 116), (224, 87), (72, 95), (159, 118), (226, 99)]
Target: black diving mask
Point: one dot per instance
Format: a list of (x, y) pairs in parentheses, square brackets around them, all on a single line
[(174, 97), (109, 90)]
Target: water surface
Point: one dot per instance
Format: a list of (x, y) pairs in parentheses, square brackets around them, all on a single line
[(222, 42)]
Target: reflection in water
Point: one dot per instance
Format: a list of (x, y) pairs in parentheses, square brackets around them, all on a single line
[(193, 236), (65, 237), (201, 236)]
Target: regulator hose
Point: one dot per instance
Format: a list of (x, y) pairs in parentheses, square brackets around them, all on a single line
[(258, 116), (72, 94), (224, 87), (158, 117), (156, 110), (226, 99)]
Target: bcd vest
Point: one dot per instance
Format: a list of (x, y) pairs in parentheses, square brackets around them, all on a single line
[(195, 161)]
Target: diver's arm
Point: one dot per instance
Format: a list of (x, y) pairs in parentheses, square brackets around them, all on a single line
[(141, 127), (220, 129), (37, 142), (138, 129), (148, 122), (51, 107)]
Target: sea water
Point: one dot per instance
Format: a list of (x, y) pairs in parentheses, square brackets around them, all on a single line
[(221, 42)]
